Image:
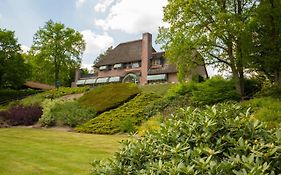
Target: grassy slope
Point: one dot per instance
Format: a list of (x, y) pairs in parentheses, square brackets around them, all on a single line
[(160, 89), (26, 151), (109, 96)]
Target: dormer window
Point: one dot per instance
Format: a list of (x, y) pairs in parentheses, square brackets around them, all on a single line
[(103, 68), (135, 65), (155, 62), (118, 66)]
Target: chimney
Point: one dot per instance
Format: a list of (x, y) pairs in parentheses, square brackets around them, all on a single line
[(146, 54)]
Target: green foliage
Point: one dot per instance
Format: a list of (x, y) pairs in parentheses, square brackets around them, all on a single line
[(221, 139), (52, 94), (265, 47), (10, 94), (152, 124), (212, 91), (159, 89), (56, 53), (109, 96), (273, 91), (13, 70), (216, 31), (266, 109), (121, 119), (64, 113)]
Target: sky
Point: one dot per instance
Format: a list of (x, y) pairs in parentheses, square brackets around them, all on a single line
[(103, 23)]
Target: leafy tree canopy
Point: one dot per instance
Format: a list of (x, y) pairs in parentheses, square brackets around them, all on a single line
[(56, 53), (215, 29), (13, 70)]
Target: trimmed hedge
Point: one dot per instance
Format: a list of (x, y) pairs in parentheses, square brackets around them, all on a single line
[(221, 139), (121, 119), (109, 96)]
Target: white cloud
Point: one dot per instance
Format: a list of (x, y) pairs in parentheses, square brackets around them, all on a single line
[(134, 16), (103, 5), (79, 3), (95, 44), (24, 48)]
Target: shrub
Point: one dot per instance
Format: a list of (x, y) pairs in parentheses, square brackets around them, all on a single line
[(109, 96), (121, 119), (212, 91), (217, 140), (22, 115), (266, 109), (64, 113), (270, 91)]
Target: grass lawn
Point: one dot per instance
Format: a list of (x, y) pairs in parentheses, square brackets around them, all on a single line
[(160, 89), (29, 151)]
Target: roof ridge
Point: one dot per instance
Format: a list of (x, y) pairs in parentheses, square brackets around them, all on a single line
[(128, 42)]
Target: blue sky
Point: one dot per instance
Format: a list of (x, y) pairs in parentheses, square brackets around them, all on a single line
[(103, 23)]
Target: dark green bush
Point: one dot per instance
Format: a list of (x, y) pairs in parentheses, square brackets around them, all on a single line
[(221, 139), (65, 113), (109, 96), (121, 119), (7, 95)]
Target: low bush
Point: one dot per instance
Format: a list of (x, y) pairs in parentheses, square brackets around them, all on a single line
[(266, 109), (221, 139), (64, 113), (122, 119), (109, 96), (21, 115)]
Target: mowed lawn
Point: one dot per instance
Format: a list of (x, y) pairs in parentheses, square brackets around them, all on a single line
[(30, 151)]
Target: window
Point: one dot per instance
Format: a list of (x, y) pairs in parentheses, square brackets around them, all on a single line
[(135, 65), (118, 66), (103, 68), (155, 62)]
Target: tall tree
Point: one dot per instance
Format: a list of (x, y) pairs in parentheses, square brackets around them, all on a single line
[(265, 53), (13, 70), (56, 53), (215, 29)]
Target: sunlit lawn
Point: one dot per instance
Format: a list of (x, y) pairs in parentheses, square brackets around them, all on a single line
[(29, 151)]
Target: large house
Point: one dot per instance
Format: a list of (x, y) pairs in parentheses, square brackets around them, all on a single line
[(135, 61)]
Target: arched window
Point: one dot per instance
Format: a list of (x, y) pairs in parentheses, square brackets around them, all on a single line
[(131, 78)]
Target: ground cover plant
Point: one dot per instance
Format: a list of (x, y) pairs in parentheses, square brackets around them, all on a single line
[(221, 139), (61, 112), (109, 96), (122, 119), (26, 151)]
